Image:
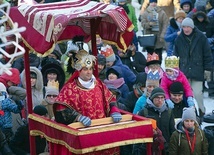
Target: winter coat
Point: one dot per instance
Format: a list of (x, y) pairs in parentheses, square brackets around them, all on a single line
[(171, 35), (167, 5), (195, 57), (178, 109), (162, 20), (206, 26), (37, 90), (140, 104), (8, 106), (211, 13), (166, 82), (118, 83), (165, 122), (132, 16), (180, 146), (127, 73), (130, 101)]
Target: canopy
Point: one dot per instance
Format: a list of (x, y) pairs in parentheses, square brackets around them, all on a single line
[(50, 23)]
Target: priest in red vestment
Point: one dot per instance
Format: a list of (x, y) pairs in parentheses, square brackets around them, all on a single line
[(84, 98)]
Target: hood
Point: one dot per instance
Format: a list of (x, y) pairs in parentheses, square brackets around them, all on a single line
[(116, 69), (39, 81), (182, 2)]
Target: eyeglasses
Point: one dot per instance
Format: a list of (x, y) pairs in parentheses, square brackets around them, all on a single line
[(52, 96), (159, 98)]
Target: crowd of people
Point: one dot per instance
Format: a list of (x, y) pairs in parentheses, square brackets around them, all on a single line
[(65, 89)]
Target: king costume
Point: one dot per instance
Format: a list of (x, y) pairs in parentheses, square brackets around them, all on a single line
[(75, 100)]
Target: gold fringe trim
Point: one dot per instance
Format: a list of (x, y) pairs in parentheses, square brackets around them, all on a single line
[(89, 131), (90, 149)]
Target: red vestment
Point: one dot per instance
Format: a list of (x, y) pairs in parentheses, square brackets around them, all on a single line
[(93, 103)]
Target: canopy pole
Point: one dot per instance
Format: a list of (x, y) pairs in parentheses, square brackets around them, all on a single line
[(93, 27), (29, 98)]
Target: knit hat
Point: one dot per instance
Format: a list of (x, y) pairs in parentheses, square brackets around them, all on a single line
[(40, 110), (153, 59), (108, 52), (101, 59), (188, 22), (156, 92), (180, 13), (153, 79), (176, 88), (2, 87), (189, 113), (151, 1), (200, 3), (171, 62), (52, 88)]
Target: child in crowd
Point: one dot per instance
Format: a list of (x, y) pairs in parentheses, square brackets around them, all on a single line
[(152, 82), (173, 74), (154, 64)]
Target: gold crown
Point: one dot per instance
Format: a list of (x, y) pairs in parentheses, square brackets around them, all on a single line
[(172, 62), (84, 59), (53, 84)]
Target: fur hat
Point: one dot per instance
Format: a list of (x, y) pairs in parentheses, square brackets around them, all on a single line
[(180, 13), (188, 22), (153, 59), (189, 113), (108, 52), (156, 92), (176, 88), (40, 110)]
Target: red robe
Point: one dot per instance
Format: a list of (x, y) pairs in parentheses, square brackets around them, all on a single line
[(93, 103)]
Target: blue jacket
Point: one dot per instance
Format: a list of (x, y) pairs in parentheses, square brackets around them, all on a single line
[(8, 106), (140, 104), (171, 35)]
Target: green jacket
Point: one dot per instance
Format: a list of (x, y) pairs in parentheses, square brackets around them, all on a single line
[(132, 16), (179, 144)]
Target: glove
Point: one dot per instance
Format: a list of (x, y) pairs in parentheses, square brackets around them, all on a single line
[(86, 121), (116, 117), (207, 75), (170, 103), (190, 101)]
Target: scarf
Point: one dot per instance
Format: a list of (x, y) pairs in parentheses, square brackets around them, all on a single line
[(88, 84), (116, 83), (159, 109), (174, 75)]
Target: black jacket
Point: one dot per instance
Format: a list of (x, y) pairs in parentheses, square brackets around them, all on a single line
[(194, 53)]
